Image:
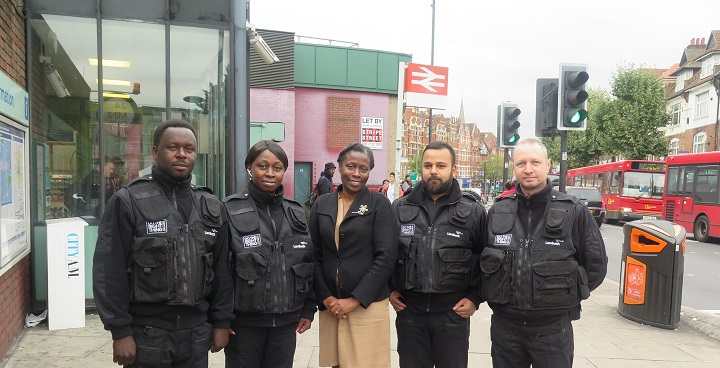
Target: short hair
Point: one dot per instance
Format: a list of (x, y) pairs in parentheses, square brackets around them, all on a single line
[(172, 123), (438, 145), (356, 147), (261, 146), (392, 174), (534, 141)]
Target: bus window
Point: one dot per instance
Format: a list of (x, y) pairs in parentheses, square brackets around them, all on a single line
[(672, 185), (643, 184), (614, 182), (686, 187), (706, 184)]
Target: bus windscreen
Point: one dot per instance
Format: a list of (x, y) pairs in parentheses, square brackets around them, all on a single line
[(643, 184)]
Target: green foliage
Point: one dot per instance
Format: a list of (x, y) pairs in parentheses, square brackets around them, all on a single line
[(415, 163), (493, 166)]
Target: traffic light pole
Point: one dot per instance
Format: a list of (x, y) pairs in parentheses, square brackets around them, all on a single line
[(563, 159), (506, 164)]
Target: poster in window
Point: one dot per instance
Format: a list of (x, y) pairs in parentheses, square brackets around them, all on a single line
[(371, 134)]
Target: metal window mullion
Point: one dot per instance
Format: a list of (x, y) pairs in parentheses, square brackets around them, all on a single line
[(101, 104), (167, 59)]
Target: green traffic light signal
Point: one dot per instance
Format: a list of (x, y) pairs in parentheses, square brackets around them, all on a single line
[(508, 124), (572, 97)]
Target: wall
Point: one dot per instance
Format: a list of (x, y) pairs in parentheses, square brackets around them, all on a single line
[(15, 282), (313, 133), (277, 105)]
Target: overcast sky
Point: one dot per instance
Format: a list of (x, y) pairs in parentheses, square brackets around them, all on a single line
[(496, 50)]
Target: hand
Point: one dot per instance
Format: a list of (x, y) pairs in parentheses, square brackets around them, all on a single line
[(344, 306), (465, 308), (395, 301), (303, 325), (124, 350), (220, 338), (329, 302)]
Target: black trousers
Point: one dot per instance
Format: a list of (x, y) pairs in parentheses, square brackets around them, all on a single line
[(261, 347), (427, 340), (160, 348), (546, 346)]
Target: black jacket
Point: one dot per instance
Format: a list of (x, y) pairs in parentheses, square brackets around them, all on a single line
[(367, 253), (115, 251), (540, 249), (272, 259), (324, 184), (437, 260)]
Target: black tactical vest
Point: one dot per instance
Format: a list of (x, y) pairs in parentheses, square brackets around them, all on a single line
[(172, 262), (435, 258), (272, 275), (538, 271)]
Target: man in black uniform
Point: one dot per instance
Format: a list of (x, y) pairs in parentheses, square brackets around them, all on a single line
[(441, 237), (160, 273), (544, 255), (324, 184)]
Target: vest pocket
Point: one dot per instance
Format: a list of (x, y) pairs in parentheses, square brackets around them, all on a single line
[(455, 267), (205, 266), (495, 271), (555, 284), (300, 284), (250, 285), (404, 275), (152, 273)]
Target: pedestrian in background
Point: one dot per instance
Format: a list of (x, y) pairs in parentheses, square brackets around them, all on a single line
[(273, 262), (354, 257), (392, 189), (160, 270), (324, 184), (441, 233), (545, 254)]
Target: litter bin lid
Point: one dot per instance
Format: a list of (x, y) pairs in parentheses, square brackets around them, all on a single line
[(659, 227)]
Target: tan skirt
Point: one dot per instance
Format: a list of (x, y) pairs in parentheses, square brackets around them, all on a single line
[(361, 340)]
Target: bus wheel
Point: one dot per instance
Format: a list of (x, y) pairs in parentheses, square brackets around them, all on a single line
[(701, 230)]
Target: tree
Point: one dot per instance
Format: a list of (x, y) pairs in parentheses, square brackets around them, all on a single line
[(637, 114)]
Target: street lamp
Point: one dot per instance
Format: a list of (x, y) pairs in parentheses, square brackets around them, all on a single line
[(716, 84)]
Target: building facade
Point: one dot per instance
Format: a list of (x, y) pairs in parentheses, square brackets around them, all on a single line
[(693, 96)]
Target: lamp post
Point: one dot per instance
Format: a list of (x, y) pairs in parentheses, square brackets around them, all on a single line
[(716, 84)]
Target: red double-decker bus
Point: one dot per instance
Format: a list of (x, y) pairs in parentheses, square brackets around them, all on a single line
[(631, 189), (691, 194)]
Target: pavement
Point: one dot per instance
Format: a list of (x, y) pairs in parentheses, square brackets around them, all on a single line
[(603, 338)]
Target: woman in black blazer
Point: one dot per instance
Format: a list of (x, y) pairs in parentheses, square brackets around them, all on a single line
[(355, 248)]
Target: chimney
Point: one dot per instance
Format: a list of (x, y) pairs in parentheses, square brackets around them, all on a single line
[(703, 41), (692, 41)]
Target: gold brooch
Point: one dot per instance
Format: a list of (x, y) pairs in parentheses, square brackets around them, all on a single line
[(363, 208)]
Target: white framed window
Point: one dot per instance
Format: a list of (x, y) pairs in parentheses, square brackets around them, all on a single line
[(674, 146), (707, 67), (675, 114), (701, 104), (680, 82), (699, 142)]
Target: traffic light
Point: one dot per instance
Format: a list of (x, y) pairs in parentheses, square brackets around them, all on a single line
[(546, 95), (572, 97), (508, 124)]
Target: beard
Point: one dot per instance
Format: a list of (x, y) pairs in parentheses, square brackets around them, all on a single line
[(432, 187)]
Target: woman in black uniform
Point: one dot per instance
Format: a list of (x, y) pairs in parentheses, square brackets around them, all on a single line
[(273, 265)]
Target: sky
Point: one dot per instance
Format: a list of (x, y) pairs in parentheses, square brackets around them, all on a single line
[(495, 50)]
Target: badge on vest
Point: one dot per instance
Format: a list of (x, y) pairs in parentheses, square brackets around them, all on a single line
[(302, 245), (251, 241), (504, 239), (156, 227), (407, 230)]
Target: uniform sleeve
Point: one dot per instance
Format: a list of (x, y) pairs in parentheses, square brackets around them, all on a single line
[(385, 248), (221, 296), (110, 281), (590, 248), (479, 236)]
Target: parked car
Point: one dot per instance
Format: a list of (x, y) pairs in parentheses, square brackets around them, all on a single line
[(591, 198)]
